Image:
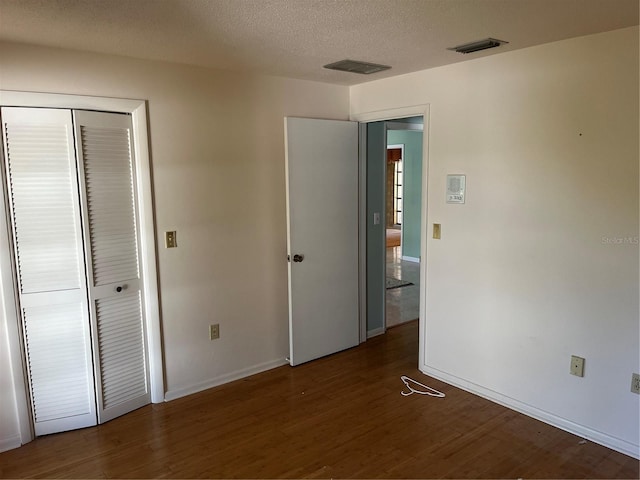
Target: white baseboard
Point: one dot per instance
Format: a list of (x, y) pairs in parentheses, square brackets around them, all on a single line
[(595, 436), (411, 259), (222, 379), (375, 332), (10, 443)]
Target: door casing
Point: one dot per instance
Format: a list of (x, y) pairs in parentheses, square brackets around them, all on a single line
[(390, 115), (138, 111)]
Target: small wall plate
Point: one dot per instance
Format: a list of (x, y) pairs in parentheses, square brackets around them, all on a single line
[(170, 240)]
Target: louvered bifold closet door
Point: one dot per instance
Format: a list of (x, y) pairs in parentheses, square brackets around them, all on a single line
[(105, 152), (43, 197)]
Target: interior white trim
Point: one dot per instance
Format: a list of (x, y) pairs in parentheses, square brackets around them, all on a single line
[(14, 335), (418, 127), (222, 379), (362, 230), (138, 111), (12, 98), (10, 443), (403, 112), (562, 423), (375, 332), (148, 252), (391, 114)]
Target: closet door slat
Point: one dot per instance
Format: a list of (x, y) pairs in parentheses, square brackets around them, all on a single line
[(110, 202), (120, 335), (55, 341), (42, 190)]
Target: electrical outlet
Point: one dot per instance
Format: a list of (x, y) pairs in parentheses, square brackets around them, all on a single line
[(214, 331), (635, 383), (577, 366)]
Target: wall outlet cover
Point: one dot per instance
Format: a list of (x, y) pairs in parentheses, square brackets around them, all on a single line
[(214, 331), (577, 366)]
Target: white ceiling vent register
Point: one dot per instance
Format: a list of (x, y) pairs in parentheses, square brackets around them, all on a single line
[(355, 66), (478, 45)]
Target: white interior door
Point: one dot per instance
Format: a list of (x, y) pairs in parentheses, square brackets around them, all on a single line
[(47, 234), (115, 286), (322, 236)]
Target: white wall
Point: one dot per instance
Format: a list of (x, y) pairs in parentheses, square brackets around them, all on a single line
[(9, 432), (522, 278), (217, 154)]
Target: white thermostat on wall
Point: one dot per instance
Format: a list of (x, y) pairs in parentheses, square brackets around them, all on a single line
[(455, 188)]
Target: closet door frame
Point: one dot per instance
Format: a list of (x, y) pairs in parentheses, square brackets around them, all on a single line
[(144, 211)]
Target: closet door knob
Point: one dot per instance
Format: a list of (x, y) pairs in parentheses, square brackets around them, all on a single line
[(118, 289)]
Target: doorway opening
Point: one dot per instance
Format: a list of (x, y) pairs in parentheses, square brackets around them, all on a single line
[(403, 195), (394, 212)]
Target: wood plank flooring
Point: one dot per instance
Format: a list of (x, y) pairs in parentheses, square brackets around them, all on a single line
[(338, 417)]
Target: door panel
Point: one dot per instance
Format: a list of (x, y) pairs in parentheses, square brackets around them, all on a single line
[(56, 336), (47, 235), (121, 352), (106, 162), (322, 221)]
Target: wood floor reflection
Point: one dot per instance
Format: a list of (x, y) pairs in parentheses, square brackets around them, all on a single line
[(402, 304)]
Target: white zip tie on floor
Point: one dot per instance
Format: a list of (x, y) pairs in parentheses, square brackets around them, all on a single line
[(430, 391)]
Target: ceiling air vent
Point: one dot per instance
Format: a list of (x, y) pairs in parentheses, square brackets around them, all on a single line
[(477, 46), (355, 66)]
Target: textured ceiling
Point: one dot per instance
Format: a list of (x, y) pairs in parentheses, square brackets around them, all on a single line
[(295, 38)]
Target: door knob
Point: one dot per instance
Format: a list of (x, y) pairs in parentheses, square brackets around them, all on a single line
[(119, 288), (298, 258)]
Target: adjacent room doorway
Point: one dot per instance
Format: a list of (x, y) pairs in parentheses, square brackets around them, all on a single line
[(313, 332), (403, 195), (395, 207)]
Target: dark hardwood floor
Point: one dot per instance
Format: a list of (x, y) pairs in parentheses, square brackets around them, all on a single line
[(341, 417)]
